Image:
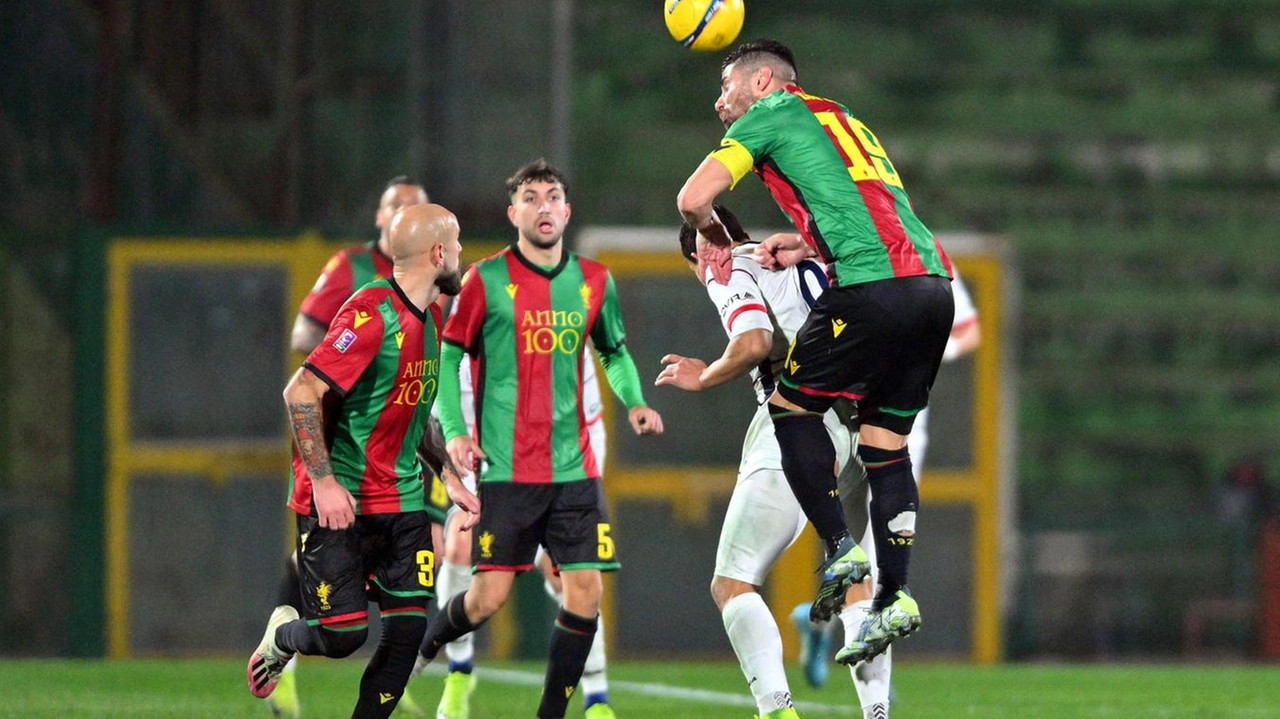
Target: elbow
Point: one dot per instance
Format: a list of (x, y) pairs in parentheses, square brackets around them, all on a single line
[(692, 204), (756, 346)]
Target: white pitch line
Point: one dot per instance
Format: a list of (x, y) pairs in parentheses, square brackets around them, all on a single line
[(705, 696)]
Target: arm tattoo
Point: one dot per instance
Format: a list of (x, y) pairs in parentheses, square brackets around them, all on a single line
[(308, 434)]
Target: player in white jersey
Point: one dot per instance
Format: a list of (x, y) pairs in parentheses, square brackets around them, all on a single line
[(761, 311), (454, 575)]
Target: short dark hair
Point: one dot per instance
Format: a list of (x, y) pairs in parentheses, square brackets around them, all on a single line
[(689, 235), (537, 171), (758, 52), (401, 180)]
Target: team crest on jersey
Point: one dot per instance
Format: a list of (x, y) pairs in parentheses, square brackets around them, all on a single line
[(322, 593), (344, 341), (486, 545)]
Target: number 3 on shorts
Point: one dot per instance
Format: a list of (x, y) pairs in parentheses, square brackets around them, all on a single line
[(604, 546), (426, 568)]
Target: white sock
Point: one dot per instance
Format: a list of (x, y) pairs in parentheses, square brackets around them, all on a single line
[(594, 680), (758, 644), (870, 678), (292, 666), (455, 579)]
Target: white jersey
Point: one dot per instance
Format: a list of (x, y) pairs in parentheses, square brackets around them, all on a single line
[(777, 301), (763, 517)]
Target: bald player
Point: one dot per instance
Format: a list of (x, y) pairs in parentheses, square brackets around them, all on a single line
[(356, 484)]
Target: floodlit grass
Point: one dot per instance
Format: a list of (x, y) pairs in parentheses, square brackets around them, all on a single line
[(193, 689)]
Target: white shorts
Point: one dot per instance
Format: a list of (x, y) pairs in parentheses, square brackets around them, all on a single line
[(764, 517)]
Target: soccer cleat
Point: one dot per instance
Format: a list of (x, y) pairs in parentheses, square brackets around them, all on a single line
[(600, 711), (784, 713), (283, 702), (847, 566), (267, 661), (409, 706), (894, 621), (815, 644), (455, 702)]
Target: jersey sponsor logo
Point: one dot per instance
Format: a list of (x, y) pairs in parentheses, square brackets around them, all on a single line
[(322, 593), (361, 318), (548, 331), (738, 297), (344, 341), (511, 291), (384, 697), (486, 545), (418, 382), (837, 326), (399, 340)]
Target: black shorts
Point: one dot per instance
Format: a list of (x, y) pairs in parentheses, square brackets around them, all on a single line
[(392, 552), (877, 343), (438, 501), (568, 518)]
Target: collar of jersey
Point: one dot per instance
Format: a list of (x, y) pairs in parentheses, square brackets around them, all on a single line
[(420, 314), (535, 267)]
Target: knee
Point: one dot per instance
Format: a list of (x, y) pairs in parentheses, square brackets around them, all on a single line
[(724, 589), (481, 605), (338, 645)]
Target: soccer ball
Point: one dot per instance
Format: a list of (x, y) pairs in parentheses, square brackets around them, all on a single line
[(704, 25)]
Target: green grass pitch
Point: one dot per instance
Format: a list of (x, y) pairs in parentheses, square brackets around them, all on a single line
[(193, 689)]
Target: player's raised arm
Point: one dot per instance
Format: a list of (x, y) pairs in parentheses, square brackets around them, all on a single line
[(334, 504)]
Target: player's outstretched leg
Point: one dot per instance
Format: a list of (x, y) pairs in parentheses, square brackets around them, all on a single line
[(894, 503), (283, 702), (268, 660), (808, 461), (815, 645)]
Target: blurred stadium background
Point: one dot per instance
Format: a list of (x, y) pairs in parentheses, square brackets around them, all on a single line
[(1101, 480)]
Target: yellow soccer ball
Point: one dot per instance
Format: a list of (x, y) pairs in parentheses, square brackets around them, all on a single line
[(704, 25)]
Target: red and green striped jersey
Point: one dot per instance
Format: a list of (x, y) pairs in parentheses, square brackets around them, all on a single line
[(830, 175), (381, 359), (347, 271), (524, 327)]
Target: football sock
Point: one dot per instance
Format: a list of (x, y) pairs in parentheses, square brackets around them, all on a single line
[(300, 637), (808, 461), (758, 644), (870, 678), (389, 667), (454, 579), (595, 683), (571, 638), (290, 591), (446, 625), (894, 502)]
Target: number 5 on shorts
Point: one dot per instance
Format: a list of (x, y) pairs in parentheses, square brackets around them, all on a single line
[(426, 568), (604, 543)]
